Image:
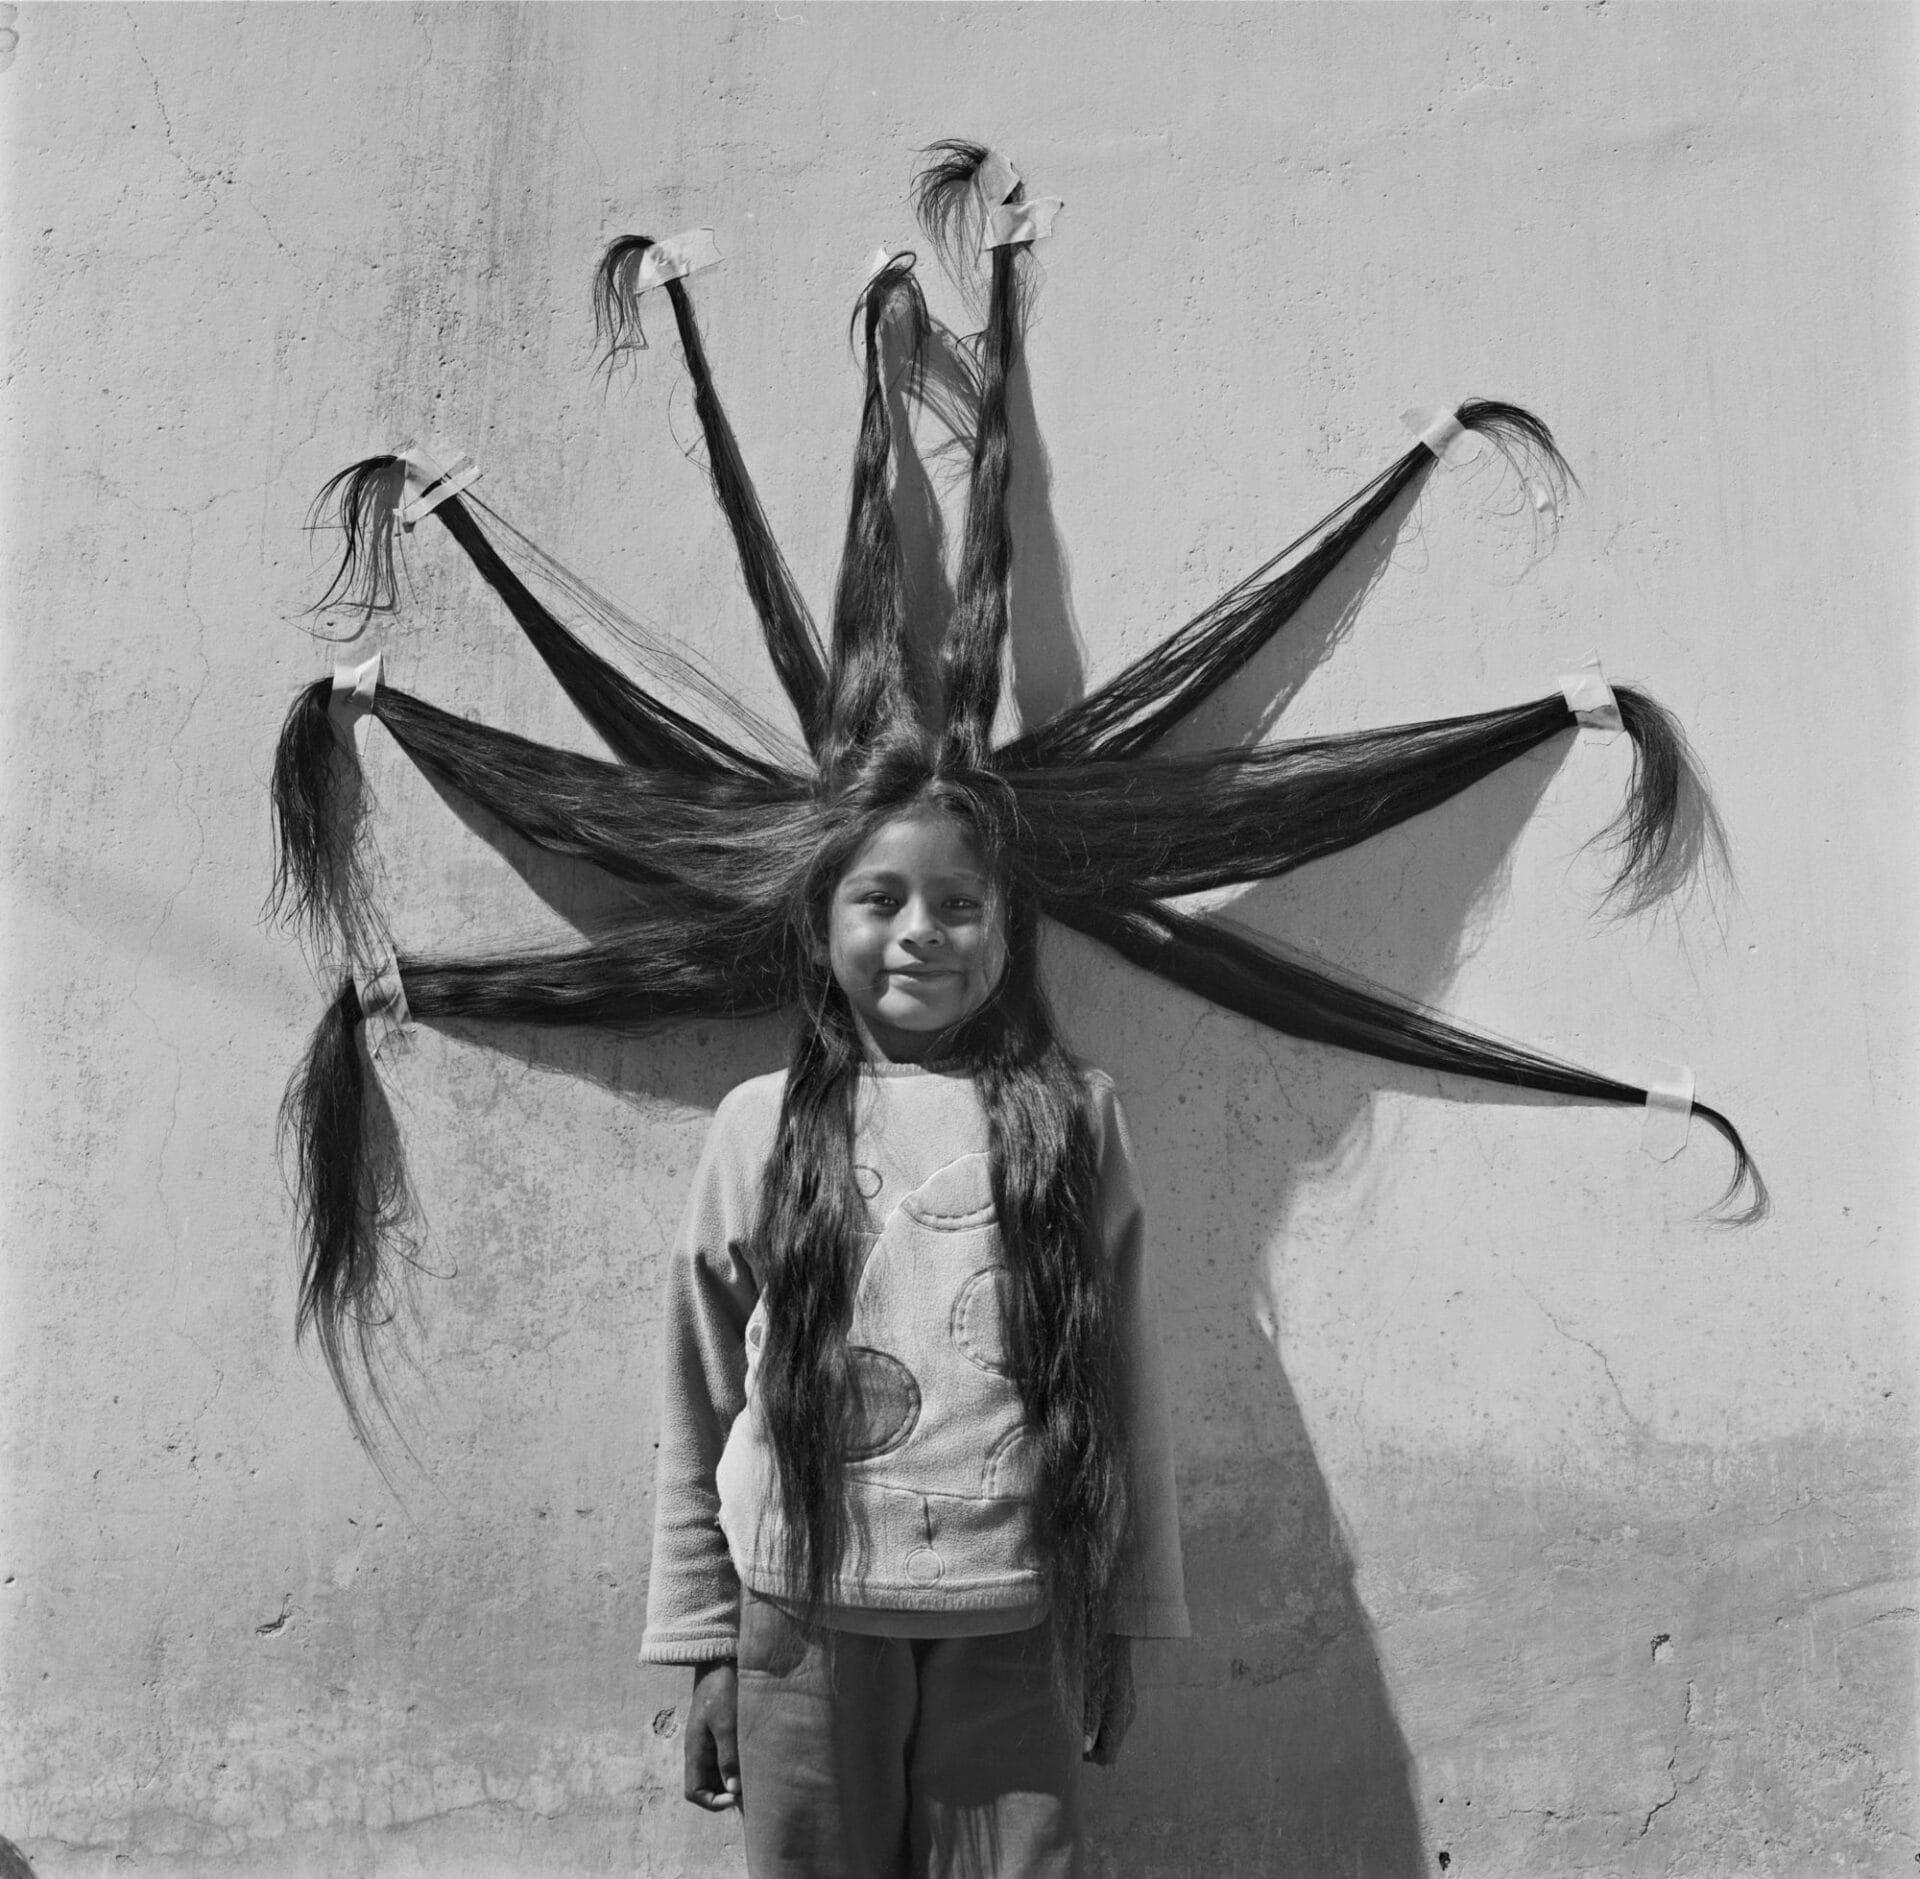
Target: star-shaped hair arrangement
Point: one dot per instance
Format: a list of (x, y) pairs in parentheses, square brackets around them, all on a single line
[(716, 819)]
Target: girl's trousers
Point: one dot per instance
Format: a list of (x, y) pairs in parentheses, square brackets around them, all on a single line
[(902, 1758)]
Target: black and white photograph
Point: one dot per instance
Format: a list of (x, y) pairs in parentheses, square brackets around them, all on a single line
[(959, 941)]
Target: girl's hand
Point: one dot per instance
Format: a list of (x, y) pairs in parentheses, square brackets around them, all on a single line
[(1110, 1703), (713, 1760)]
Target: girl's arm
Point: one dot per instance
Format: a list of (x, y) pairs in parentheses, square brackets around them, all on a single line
[(693, 1594)]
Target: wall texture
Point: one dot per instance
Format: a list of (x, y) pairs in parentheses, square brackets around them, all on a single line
[(1534, 1526)]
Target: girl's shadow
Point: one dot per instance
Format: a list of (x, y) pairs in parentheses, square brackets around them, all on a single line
[(1278, 1712)]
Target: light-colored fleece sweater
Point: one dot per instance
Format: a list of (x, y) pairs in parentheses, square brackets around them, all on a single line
[(941, 1477)]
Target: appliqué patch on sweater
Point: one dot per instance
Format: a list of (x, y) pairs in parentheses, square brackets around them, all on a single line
[(886, 1402), (956, 1199), (1009, 1471), (979, 1320)]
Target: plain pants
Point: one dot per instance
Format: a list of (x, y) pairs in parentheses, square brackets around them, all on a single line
[(902, 1758)]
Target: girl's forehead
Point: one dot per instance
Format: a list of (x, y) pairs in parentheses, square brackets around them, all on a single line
[(923, 841)]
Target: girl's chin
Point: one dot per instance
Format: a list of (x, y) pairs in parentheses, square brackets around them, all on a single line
[(926, 1005), (920, 1014)]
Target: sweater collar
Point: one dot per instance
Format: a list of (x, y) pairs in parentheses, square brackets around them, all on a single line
[(933, 1067)]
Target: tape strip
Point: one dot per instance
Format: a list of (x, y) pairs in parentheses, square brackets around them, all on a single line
[(1440, 429), (1663, 1129), (1028, 220), (383, 1001), (352, 699), (434, 483), (1005, 222), (1590, 698), (996, 179), (676, 257)]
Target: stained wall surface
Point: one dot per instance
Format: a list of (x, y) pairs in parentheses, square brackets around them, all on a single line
[(1534, 1526)]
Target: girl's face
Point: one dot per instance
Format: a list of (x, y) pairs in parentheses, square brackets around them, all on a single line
[(914, 934)]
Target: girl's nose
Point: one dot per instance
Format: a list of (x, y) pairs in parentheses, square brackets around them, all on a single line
[(918, 927)]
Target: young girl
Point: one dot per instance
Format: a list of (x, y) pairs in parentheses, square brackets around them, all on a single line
[(914, 1478)]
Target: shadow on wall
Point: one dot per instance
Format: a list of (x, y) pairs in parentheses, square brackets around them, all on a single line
[(1269, 1745)]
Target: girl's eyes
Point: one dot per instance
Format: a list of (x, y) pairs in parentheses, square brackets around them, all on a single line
[(887, 903)]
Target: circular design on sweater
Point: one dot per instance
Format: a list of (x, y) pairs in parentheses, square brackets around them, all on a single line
[(979, 1321), (1012, 1467), (924, 1566), (886, 1402)]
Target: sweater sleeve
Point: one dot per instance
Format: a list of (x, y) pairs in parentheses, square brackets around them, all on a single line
[(1151, 1600), (693, 1594)]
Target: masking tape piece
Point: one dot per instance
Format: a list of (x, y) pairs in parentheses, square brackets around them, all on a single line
[(353, 690), (1442, 432), (1590, 698), (383, 1001), (996, 179), (1663, 1129), (428, 463), (676, 257), (436, 484), (356, 682), (1030, 220)]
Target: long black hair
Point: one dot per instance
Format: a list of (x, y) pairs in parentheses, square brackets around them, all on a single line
[(809, 1233), (727, 836)]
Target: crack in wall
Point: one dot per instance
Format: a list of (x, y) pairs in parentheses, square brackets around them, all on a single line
[(1675, 1782), (533, 1798), (202, 180), (1661, 1805), (199, 178), (1619, 1395)]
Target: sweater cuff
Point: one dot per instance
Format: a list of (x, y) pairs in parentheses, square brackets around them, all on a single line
[(707, 1650)]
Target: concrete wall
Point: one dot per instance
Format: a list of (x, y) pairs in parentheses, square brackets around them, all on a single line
[(1534, 1526)]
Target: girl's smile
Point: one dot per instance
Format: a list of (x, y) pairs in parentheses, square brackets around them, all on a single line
[(914, 934)]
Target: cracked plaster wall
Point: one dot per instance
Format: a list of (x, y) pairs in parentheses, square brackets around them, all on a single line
[(1534, 1527)]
